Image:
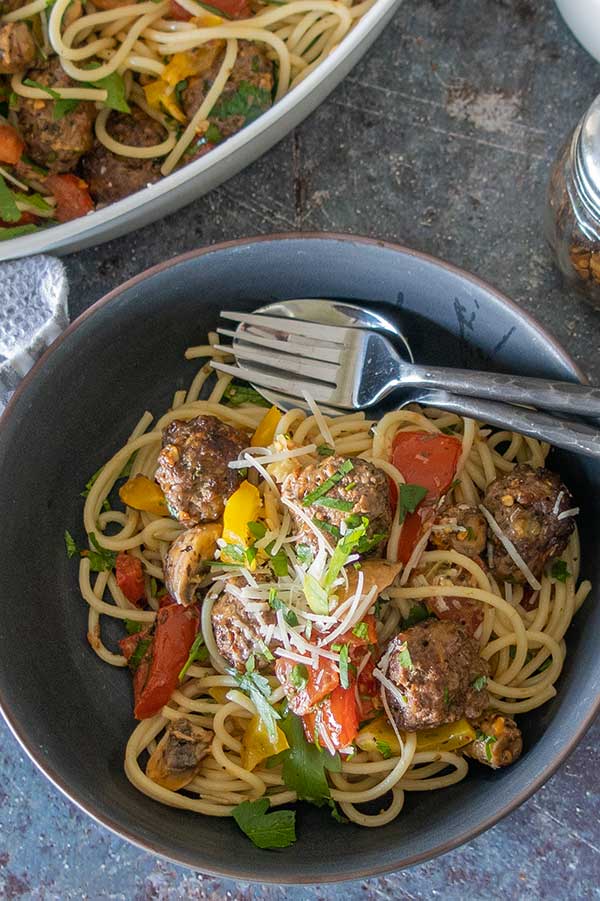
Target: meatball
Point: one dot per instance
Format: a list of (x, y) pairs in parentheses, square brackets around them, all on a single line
[(57, 144), (246, 94), (111, 176), (438, 672), (360, 489), (498, 742), (460, 528), (17, 47), (192, 467), (527, 503), (238, 631)]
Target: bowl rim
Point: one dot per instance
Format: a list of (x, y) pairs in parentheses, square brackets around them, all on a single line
[(59, 238), (33, 749)]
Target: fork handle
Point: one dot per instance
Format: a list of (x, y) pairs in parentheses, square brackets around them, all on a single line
[(562, 397), (571, 436)]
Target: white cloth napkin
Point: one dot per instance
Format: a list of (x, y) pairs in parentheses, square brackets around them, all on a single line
[(33, 312)]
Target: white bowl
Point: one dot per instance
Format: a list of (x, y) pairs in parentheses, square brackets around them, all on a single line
[(583, 18), (226, 160)]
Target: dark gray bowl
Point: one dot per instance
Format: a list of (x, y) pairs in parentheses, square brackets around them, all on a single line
[(70, 711)]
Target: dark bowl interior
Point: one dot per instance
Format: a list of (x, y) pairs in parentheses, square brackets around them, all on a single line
[(72, 712)]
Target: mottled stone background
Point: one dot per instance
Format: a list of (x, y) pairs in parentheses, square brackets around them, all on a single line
[(441, 138)]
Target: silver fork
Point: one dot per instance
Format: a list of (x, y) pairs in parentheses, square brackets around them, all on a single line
[(352, 368)]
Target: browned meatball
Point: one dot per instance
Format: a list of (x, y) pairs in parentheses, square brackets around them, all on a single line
[(360, 488), (499, 741), (238, 631), (111, 176), (57, 144), (245, 96), (460, 528), (192, 467), (527, 503), (437, 670), (17, 47)]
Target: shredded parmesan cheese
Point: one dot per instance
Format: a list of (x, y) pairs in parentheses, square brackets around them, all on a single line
[(510, 549)]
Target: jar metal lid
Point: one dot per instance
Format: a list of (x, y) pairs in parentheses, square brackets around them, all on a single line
[(587, 157)]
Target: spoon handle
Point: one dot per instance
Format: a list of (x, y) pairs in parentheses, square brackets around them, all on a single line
[(571, 436), (561, 397)]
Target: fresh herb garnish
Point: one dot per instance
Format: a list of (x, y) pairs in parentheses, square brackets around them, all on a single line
[(404, 657), (198, 653), (342, 470), (265, 830), (488, 741), (335, 504), (383, 748), (42, 87), (258, 530), (446, 696), (34, 200), (213, 134), (416, 614), (249, 101), (72, 549), (316, 595), (304, 764), (88, 487), (132, 626), (324, 450), (343, 549), (299, 676), (276, 603), (236, 395), (9, 211), (278, 561), (304, 554), (361, 630), (7, 234), (101, 559), (479, 683), (560, 571), (259, 691), (327, 527), (409, 498), (114, 86), (139, 653), (63, 107), (344, 656)]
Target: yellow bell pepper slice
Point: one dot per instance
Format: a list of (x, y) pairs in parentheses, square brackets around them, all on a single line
[(379, 735), (157, 96), (242, 507), (257, 746), (219, 693), (446, 738), (144, 494), (265, 432), (206, 20), (192, 62)]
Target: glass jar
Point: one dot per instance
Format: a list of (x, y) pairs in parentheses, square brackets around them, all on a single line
[(572, 219)]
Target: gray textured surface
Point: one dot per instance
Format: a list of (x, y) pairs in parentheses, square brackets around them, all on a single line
[(440, 139)]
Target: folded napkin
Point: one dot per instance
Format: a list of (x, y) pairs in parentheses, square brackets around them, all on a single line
[(33, 312)]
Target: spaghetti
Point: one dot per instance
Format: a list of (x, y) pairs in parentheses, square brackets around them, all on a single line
[(520, 631)]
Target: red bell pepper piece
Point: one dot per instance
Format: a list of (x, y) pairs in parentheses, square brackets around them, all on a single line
[(130, 577)]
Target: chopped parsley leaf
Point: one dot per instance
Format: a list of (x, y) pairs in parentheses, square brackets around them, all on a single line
[(383, 748), (265, 830), (344, 656), (342, 470), (479, 683), (361, 630), (409, 498), (560, 571), (324, 450), (299, 676), (198, 653), (404, 657)]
